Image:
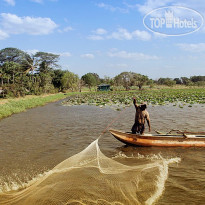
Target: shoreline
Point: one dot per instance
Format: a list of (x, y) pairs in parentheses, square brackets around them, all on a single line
[(17, 105), (152, 96)]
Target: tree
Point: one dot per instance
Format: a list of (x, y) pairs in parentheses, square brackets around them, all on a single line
[(200, 83), (45, 82), (57, 78), (30, 64), (161, 81), (197, 78), (81, 83), (169, 82), (45, 79), (124, 79), (45, 70), (69, 81), (98, 80), (166, 81), (140, 80), (13, 55), (108, 80), (178, 81), (10, 70), (2, 75), (46, 61), (18, 76), (186, 81), (151, 83), (128, 79), (90, 80)]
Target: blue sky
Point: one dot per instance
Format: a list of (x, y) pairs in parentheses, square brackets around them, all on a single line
[(103, 36)]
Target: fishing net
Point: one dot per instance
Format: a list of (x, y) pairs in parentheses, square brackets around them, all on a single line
[(92, 178)]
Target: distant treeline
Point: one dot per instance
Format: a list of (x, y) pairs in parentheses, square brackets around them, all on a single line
[(194, 80), (22, 74)]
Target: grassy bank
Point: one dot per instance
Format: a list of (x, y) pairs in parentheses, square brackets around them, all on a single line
[(11, 106)]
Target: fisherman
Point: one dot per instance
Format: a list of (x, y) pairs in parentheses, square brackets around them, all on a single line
[(140, 116)]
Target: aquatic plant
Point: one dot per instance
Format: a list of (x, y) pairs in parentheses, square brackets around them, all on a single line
[(152, 97)]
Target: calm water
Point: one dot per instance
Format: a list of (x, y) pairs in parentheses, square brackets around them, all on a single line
[(35, 141)]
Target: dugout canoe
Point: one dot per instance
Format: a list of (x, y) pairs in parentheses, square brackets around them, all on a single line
[(160, 140)]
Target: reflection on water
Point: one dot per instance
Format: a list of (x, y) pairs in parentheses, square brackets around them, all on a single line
[(35, 141)]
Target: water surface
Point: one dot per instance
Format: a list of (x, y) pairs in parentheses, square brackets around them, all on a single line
[(35, 141)]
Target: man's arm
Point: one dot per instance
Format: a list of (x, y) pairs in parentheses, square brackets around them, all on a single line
[(148, 121), (135, 103)]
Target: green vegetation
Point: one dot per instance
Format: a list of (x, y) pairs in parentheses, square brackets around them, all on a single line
[(19, 105), (153, 97), (23, 74), (91, 79), (35, 74), (116, 99), (129, 79)]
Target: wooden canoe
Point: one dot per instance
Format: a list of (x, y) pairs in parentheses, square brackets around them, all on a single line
[(159, 140)]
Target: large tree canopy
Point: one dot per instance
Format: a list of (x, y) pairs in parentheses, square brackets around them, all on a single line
[(13, 55), (124, 79), (197, 78), (91, 79), (48, 59), (69, 81), (128, 79), (166, 81)]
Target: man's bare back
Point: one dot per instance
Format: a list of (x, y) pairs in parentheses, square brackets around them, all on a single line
[(140, 116)]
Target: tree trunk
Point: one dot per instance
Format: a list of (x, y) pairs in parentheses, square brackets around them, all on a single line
[(32, 77)]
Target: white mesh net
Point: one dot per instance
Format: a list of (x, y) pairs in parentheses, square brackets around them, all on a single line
[(90, 177)]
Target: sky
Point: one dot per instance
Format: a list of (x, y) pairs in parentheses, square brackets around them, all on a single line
[(103, 36)]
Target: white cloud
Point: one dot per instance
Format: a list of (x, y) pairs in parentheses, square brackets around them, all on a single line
[(100, 31), (123, 34), (3, 35), (149, 5), (197, 47), (88, 55), (10, 2), (132, 55), (64, 54), (120, 65), (112, 8), (13, 24), (95, 37), (120, 34), (98, 34), (42, 1), (38, 1), (66, 29)]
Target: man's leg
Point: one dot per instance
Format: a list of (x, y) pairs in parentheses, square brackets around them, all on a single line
[(134, 128), (142, 128)]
